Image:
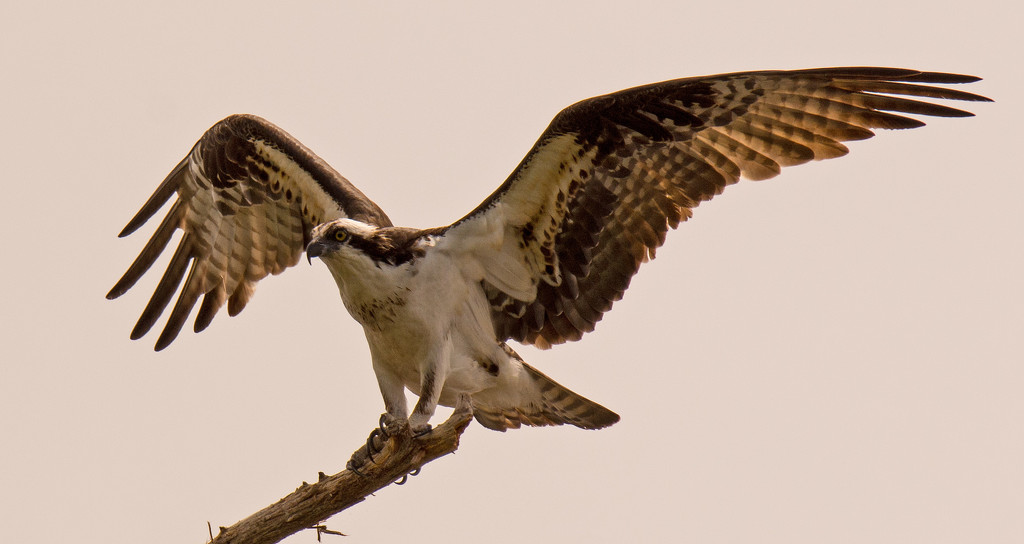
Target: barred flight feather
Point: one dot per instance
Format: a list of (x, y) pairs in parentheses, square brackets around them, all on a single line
[(591, 201), (644, 157), (249, 195)]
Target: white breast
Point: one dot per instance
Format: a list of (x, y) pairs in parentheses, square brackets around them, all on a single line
[(430, 311)]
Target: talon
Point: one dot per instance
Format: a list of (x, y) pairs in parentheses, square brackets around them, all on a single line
[(354, 469), (405, 478), (371, 447), (422, 431)]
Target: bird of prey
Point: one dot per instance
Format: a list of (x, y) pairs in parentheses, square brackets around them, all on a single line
[(539, 261)]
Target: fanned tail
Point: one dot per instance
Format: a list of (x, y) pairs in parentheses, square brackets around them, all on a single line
[(543, 402)]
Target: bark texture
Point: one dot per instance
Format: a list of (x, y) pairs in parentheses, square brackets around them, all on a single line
[(310, 504)]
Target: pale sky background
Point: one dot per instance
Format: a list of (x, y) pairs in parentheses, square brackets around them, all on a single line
[(834, 355)]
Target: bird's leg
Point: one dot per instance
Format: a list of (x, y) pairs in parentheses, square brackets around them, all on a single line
[(433, 373), (393, 391), (430, 393)]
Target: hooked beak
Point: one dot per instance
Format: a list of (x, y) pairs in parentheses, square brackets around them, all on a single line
[(315, 249)]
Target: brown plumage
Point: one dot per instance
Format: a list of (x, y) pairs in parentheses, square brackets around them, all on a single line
[(541, 260), (248, 197), (555, 404), (645, 157)]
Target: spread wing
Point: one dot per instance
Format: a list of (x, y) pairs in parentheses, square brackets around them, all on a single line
[(248, 196), (557, 244)]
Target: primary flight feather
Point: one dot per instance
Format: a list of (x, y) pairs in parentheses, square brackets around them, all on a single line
[(539, 261)]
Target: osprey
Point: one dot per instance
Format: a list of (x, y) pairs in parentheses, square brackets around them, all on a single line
[(539, 261)]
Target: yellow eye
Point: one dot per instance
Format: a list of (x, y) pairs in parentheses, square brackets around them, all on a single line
[(340, 235)]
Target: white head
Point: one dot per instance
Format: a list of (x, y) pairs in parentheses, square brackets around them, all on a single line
[(346, 244)]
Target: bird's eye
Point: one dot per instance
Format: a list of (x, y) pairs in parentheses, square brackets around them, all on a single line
[(340, 235)]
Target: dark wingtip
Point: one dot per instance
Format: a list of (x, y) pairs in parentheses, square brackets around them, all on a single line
[(947, 78), (133, 225), (163, 193), (164, 340), (137, 333), (121, 287), (943, 77), (606, 419), (950, 112)]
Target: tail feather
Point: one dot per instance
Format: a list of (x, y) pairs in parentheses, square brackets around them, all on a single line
[(550, 404)]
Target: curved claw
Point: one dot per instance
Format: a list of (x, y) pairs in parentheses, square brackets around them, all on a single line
[(405, 477), (371, 447), (351, 466)]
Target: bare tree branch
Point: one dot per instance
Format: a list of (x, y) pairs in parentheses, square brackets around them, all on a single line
[(312, 503)]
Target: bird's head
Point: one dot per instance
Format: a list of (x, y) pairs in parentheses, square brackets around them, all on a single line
[(340, 241), (346, 244)]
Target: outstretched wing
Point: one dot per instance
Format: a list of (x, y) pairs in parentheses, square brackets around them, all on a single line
[(560, 240), (248, 196)]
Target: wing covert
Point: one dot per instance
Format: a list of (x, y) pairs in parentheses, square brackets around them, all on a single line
[(598, 192), (248, 196)]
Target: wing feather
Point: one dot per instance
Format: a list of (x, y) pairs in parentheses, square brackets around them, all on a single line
[(165, 288), (157, 200), (248, 195), (153, 248), (613, 173)]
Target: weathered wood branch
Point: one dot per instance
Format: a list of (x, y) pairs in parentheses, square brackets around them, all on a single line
[(308, 505)]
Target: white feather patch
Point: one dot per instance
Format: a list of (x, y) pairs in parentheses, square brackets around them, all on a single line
[(486, 252), (511, 243)]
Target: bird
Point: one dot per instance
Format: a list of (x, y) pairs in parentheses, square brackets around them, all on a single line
[(538, 262)]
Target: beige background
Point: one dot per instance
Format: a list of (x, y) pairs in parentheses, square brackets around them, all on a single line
[(832, 356)]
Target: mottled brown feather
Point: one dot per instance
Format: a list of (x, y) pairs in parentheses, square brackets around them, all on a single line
[(640, 160), (248, 196), (555, 405), (650, 154)]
